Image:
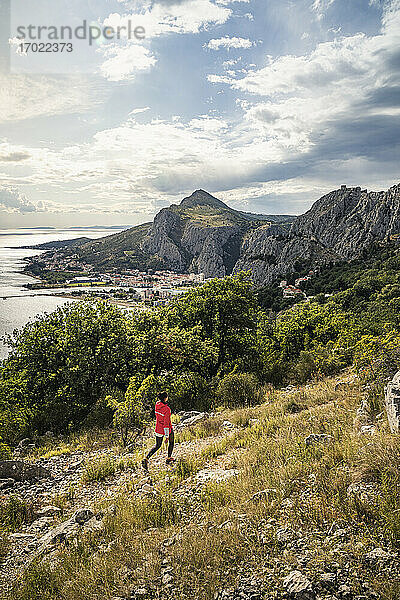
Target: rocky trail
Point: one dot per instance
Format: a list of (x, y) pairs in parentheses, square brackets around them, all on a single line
[(48, 482), (284, 557)]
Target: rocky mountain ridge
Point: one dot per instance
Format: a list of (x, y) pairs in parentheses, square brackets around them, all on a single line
[(203, 234), (339, 226)]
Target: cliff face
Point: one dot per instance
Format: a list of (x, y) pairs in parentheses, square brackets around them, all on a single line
[(349, 219), (202, 234), (338, 226), (269, 253)]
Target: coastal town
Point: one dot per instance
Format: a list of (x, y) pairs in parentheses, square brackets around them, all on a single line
[(74, 278), (67, 275)]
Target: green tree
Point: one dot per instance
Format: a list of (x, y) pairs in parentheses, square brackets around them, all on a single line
[(130, 410), (239, 389), (225, 310), (65, 360)]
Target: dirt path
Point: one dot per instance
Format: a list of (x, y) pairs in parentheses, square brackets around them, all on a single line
[(66, 483)]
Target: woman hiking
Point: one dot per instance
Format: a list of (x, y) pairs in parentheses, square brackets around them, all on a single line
[(163, 428)]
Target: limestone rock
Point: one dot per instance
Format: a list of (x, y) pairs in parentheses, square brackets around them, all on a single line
[(366, 492), (216, 474), (284, 535), (378, 555), (392, 403), (20, 470), (328, 580), (337, 227), (248, 588), (298, 586), (82, 515), (6, 483), (263, 494), (192, 419), (48, 511), (368, 430), (82, 521)]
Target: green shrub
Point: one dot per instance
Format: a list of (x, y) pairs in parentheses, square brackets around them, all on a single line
[(378, 357), (5, 451), (101, 468), (129, 411), (239, 389), (189, 391), (14, 512), (318, 361)]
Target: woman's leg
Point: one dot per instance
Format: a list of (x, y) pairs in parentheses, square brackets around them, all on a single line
[(159, 440), (171, 440)]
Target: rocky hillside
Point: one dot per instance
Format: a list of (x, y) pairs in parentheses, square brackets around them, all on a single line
[(294, 499), (202, 234), (338, 226)]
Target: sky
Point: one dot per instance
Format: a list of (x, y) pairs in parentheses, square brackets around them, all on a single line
[(267, 104)]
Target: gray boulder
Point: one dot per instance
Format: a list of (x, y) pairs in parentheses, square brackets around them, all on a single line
[(82, 515), (298, 586), (193, 420), (20, 470), (392, 403), (81, 522), (379, 556), (48, 511)]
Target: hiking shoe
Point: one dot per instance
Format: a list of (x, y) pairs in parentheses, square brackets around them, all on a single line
[(145, 464), (170, 460)]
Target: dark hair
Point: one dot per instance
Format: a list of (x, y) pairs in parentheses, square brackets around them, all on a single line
[(162, 396)]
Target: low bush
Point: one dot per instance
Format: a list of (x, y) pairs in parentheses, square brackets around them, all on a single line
[(101, 468), (239, 389), (14, 512)]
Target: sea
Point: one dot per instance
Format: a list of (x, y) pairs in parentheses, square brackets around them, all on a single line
[(19, 305)]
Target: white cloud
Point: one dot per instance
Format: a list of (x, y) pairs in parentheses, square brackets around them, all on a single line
[(304, 96), (229, 42), (126, 58), (227, 2), (219, 79), (137, 111), (12, 200), (330, 64), (175, 18), (25, 97), (299, 101), (124, 62), (321, 6)]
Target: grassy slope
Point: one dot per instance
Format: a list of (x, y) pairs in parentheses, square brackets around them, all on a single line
[(221, 533)]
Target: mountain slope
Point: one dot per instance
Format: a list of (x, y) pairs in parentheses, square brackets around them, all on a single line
[(339, 226), (291, 494), (201, 234)]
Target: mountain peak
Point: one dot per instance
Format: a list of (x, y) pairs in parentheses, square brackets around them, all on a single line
[(202, 198)]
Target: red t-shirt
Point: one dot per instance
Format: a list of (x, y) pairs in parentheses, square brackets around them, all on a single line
[(163, 418)]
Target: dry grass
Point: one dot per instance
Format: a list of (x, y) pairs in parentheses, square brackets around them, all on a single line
[(222, 532), (86, 441)]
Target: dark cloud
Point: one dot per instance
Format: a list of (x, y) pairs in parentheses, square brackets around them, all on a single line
[(14, 157), (386, 97)]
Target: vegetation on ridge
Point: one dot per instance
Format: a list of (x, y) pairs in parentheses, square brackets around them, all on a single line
[(63, 366)]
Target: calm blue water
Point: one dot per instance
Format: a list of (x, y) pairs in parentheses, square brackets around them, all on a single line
[(17, 304)]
